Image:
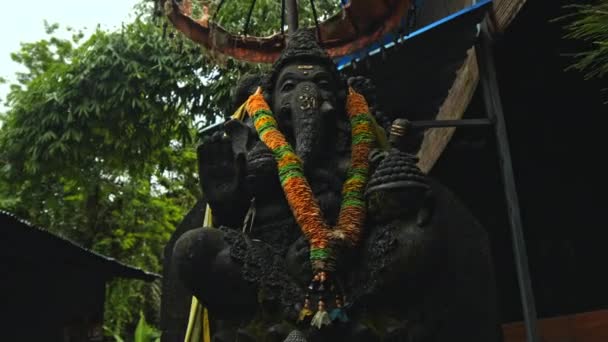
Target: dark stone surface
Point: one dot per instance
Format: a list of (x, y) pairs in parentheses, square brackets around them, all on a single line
[(176, 299)]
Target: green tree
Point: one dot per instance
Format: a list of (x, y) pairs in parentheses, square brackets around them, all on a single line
[(266, 16), (589, 22), (97, 145)]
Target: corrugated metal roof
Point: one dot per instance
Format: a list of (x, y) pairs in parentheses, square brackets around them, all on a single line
[(24, 240)]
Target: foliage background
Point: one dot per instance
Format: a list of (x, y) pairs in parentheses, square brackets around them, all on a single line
[(589, 22)]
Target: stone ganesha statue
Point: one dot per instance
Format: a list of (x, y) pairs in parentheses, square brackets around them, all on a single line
[(322, 234)]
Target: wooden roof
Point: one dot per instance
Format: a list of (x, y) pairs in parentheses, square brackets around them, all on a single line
[(421, 77), (433, 73)]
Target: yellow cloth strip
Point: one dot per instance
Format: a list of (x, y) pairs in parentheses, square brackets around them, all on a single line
[(240, 113), (193, 331)]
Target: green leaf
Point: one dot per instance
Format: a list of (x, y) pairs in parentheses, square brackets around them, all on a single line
[(144, 332)]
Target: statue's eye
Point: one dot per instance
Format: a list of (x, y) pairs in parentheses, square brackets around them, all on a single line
[(288, 86)]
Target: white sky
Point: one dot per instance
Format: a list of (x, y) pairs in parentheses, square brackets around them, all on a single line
[(23, 21)]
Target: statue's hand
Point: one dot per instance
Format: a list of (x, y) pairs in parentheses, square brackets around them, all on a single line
[(261, 166), (220, 170)]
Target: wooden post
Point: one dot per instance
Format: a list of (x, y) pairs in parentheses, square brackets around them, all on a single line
[(292, 15), (495, 113)]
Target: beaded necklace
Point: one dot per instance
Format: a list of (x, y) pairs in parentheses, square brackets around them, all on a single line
[(305, 208)]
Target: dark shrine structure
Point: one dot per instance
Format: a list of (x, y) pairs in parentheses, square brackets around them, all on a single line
[(490, 113), (549, 113), (52, 289)]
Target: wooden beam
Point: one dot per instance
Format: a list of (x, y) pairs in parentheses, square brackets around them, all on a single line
[(292, 16), (424, 124), (462, 90), (505, 11), (582, 327), (453, 108)]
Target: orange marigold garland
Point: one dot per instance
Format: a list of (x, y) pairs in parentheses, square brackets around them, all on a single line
[(304, 206)]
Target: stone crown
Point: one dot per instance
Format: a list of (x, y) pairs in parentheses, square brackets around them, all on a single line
[(302, 47)]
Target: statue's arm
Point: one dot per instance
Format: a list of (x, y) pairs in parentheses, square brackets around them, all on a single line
[(221, 163)]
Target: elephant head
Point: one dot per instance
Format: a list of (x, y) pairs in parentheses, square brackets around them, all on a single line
[(307, 96), (305, 101)]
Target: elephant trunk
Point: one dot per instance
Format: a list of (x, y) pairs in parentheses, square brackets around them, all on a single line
[(308, 122)]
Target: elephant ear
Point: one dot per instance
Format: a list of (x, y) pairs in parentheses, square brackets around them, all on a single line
[(366, 87), (246, 86), (425, 213)]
